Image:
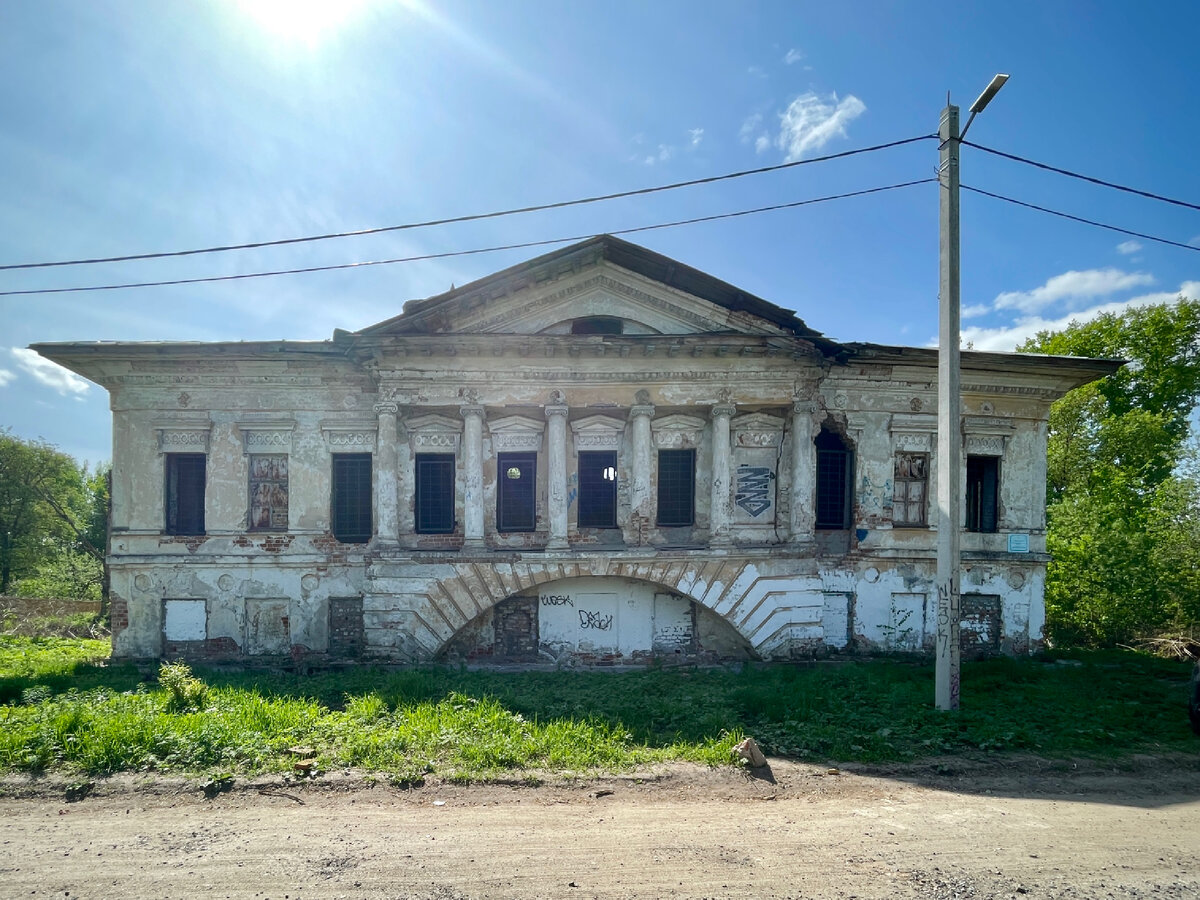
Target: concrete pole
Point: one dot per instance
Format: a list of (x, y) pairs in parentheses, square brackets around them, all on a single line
[(721, 508), (387, 530), (949, 455), (557, 476), (472, 477)]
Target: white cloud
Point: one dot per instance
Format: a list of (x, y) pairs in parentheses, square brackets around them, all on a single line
[(810, 122), (696, 135), (1073, 286), (1195, 242), (1008, 337), (1127, 247), (793, 56), (746, 132), (50, 374), (757, 72), (974, 312), (6, 376), (762, 144)]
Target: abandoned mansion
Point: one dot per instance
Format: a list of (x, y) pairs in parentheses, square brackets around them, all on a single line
[(599, 456)]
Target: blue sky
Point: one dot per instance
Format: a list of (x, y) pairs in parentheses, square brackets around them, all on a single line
[(131, 127)]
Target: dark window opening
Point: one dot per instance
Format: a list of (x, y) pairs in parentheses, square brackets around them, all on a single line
[(676, 488), (268, 492), (598, 489), (435, 493), (516, 509), (185, 493), (596, 325), (983, 482), (834, 468), (351, 502)]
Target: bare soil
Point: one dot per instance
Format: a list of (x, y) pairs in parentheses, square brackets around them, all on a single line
[(948, 829)]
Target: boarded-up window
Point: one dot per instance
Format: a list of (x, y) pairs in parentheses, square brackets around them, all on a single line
[(983, 492), (911, 489), (345, 627), (351, 499), (268, 629), (676, 488), (268, 492), (515, 497), (598, 489), (185, 493), (185, 620), (435, 493)]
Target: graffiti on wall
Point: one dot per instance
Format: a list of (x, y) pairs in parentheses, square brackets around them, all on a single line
[(754, 489)]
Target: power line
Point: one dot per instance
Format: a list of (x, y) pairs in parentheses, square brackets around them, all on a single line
[(1063, 215), (1088, 178), (469, 218), (450, 253)]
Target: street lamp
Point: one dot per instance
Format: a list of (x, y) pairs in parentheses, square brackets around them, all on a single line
[(949, 450)]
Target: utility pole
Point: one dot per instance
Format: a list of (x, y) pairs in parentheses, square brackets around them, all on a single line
[(949, 448), (950, 445)]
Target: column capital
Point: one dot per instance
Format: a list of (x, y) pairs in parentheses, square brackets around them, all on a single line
[(727, 410), (804, 407), (470, 410), (387, 407), (642, 409), (556, 410)]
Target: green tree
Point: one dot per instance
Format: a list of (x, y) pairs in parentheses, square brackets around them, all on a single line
[(1122, 510), (53, 521)]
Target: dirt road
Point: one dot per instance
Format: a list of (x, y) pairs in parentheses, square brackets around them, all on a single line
[(1021, 829)]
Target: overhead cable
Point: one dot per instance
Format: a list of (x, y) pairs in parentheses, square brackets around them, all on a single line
[(472, 217), (1063, 215), (450, 253), (1088, 178)]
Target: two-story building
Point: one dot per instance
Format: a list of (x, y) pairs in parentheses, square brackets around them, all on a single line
[(601, 455)]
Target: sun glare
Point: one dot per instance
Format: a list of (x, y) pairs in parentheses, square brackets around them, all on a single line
[(307, 21)]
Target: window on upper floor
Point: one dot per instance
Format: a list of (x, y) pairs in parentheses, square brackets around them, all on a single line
[(268, 492), (676, 488), (598, 489), (835, 467), (516, 492), (434, 506), (910, 491), (185, 479), (983, 493), (350, 502), (597, 325)]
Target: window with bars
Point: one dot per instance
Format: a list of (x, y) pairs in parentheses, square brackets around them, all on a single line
[(833, 481), (435, 493), (676, 488), (185, 474), (910, 489), (983, 492), (268, 492), (598, 489), (516, 507), (351, 500)]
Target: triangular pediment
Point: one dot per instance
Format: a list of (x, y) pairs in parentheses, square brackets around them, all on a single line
[(634, 290)]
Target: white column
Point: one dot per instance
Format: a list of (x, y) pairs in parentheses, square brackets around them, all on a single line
[(386, 492), (405, 483), (557, 476), (802, 513), (641, 501), (721, 510), (472, 477)]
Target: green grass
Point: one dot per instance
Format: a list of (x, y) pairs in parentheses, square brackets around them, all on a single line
[(63, 712)]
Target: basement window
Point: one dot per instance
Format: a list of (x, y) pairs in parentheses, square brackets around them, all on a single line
[(596, 325), (676, 488), (268, 492), (185, 493), (516, 492), (598, 489), (435, 493), (910, 491), (983, 491), (834, 469), (351, 500)]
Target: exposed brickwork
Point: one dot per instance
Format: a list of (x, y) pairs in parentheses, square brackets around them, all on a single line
[(118, 608), (516, 625), (439, 542), (221, 648), (267, 542), (345, 627), (193, 542), (980, 631)]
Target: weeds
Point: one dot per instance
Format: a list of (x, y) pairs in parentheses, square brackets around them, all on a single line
[(63, 713)]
